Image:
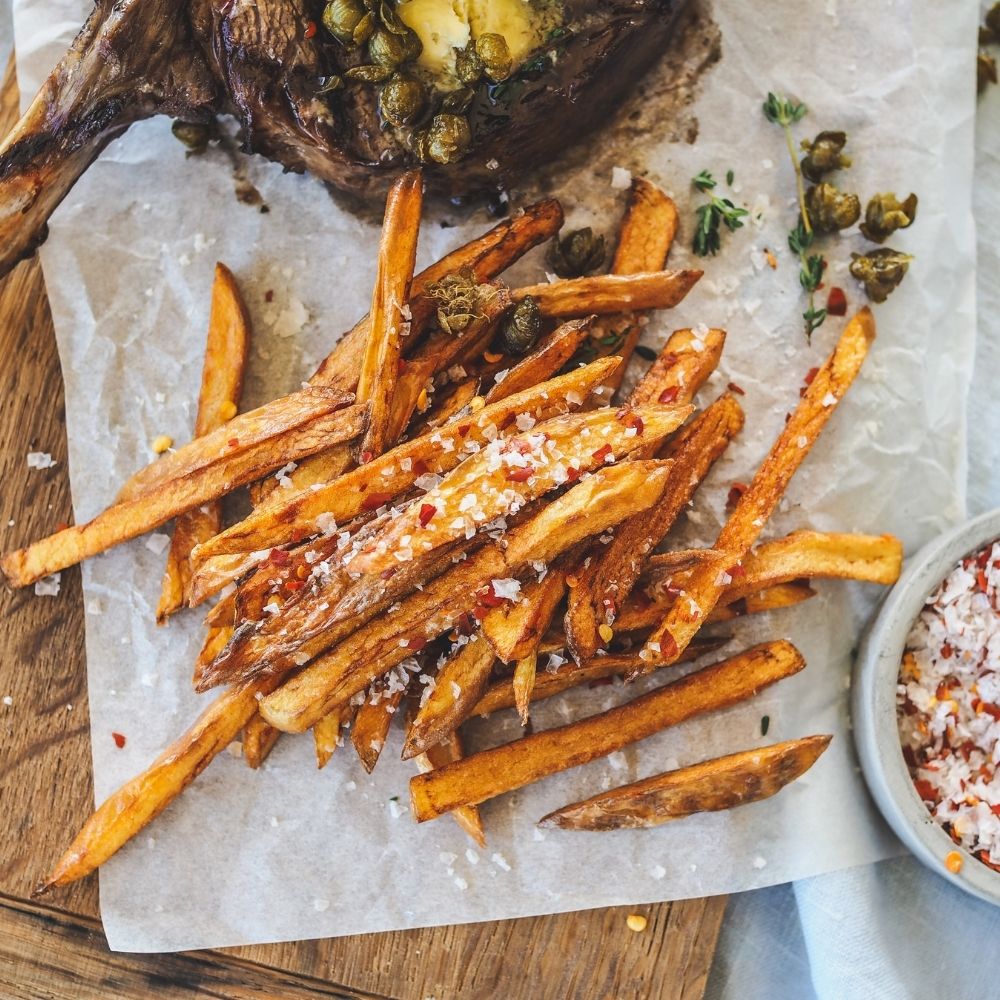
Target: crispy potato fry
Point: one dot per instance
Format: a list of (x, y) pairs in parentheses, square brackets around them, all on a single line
[(215, 641), (460, 682), (552, 681), (209, 576), (680, 369), (523, 683), (513, 765), (604, 585), (221, 384), (159, 504), (605, 498), (258, 741), (447, 752), (326, 736), (610, 293), (389, 475), (372, 721), (756, 504), (128, 810), (781, 595), (323, 467), (723, 783)]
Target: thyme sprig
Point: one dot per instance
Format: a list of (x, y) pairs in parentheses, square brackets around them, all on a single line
[(711, 216)]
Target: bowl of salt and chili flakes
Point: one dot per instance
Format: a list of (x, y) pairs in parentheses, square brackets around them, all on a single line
[(926, 706)]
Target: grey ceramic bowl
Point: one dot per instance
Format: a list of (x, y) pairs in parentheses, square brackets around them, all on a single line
[(873, 696)]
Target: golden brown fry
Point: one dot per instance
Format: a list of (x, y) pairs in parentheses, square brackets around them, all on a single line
[(397, 255), (447, 752), (604, 585), (384, 478), (149, 510), (322, 467), (513, 765), (372, 721), (523, 683), (460, 681), (128, 810), (258, 741), (756, 504), (221, 384), (607, 497), (326, 736), (215, 641), (781, 595), (713, 785), (212, 575), (447, 405), (610, 293), (681, 368)]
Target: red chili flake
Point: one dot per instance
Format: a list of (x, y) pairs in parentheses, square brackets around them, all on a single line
[(611, 605), (375, 500), (991, 710), (669, 395), (631, 419), (463, 429), (269, 295), (981, 580), (279, 557), (119, 739), (735, 492), (465, 624), (419, 466), (668, 645), (602, 453), (388, 574), (311, 29), (669, 359), (788, 417), (995, 810), (294, 585), (62, 526), (737, 570), (909, 756), (836, 302), (672, 590), (941, 692), (487, 597), (427, 511), (367, 456), (520, 474), (925, 790), (234, 442), (416, 642), (810, 375), (947, 651), (733, 387), (401, 366), (572, 474), (983, 558)]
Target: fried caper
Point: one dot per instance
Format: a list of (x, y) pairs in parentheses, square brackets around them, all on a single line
[(824, 154), (387, 49), (369, 73), (986, 71), (448, 138), (494, 51), (577, 253), (194, 135), (342, 17), (880, 271), (831, 209), (523, 326), (468, 66), (460, 300), (885, 214), (458, 101), (401, 100)]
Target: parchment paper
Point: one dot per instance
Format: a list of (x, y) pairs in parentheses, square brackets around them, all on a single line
[(289, 852)]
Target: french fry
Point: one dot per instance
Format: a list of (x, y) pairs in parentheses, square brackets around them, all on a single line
[(723, 783), (604, 585), (258, 741), (147, 511), (139, 801), (756, 504), (211, 575), (221, 384), (448, 405), (523, 683), (460, 681), (326, 736), (215, 641), (447, 752), (549, 682), (389, 475), (610, 293), (372, 721), (505, 768), (681, 368), (607, 496), (781, 595)]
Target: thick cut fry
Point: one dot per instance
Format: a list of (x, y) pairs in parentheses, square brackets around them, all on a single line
[(258, 741), (215, 641), (209, 576), (610, 293), (523, 683), (604, 585), (447, 752), (128, 810), (387, 476), (755, 505), (552, 681), (590, 507), (681, 368), (723, 783), (149, 510), (372, 722), (322, 467), (782, 595), (460, 682), (397, 255), (221, 385), (326, 736), (513, 765)]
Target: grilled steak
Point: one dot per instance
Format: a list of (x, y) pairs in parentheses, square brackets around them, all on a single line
[(265, 61)]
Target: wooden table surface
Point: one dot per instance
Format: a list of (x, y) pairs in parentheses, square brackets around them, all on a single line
[(57, 950)]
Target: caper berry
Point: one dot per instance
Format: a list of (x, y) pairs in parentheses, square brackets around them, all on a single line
[(468, 66), (831, 209), (495, 54), (194, 135), (523, 327), (577, 253), (448, 138), (341, 18), (880, 271), (401, 100), (885, 214), (824, 154)]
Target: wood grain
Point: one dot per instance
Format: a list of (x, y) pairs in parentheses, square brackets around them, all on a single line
[(59, 952)]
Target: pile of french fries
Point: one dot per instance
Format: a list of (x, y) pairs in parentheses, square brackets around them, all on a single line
[(442, 531)]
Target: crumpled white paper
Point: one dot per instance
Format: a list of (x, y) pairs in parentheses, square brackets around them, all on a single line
[(289, 852)]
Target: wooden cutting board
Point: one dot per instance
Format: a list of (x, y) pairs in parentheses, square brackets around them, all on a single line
[(57, 949)]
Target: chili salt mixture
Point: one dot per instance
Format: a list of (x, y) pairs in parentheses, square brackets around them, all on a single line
[(948, 704)]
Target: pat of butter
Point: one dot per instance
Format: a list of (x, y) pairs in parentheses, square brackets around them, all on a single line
[(441, 30)]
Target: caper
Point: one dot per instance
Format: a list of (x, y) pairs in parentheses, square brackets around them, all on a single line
[(460, 300), (448, 138), (387, 49), (824, 154), (885, 214), (468, 66), (523, 327), (401, 100), (194, 135), (831, 209), (577, 253), (341, 17), (880, 271), (365, 28), (391, 21), (458, 101), (986, 71), (369, 73), (495, 54)]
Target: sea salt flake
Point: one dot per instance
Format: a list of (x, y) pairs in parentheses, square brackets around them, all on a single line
[(157, 543), (48, 586), (621, 179), (40, 460)]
